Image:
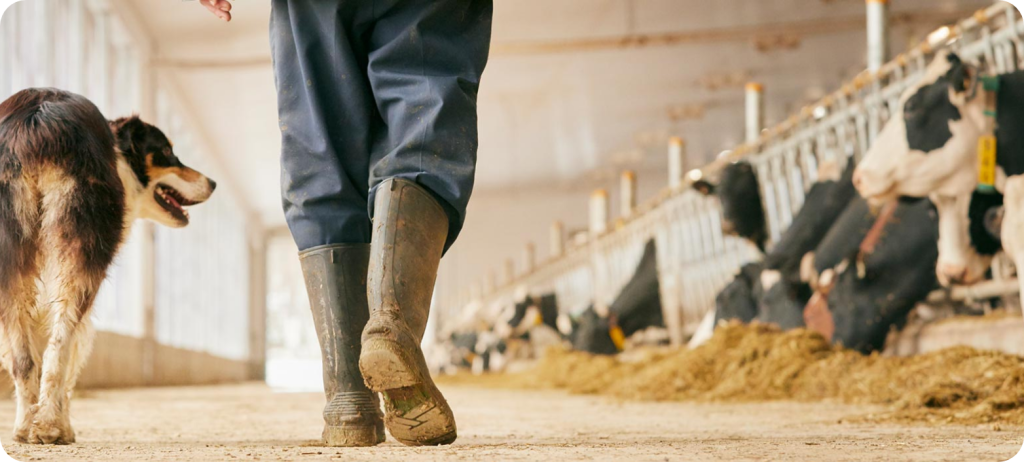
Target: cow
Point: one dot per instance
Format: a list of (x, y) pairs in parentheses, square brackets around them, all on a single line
[(834, 269), (541, 310), (884, 265), (637, 307), (740, 197), (930, 148), (533, 326), (773, 290)]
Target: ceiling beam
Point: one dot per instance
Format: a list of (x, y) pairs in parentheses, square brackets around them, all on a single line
[(752, 34)]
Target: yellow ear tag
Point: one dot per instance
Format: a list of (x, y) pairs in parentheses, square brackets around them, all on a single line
[(618, 338), (987, 163)]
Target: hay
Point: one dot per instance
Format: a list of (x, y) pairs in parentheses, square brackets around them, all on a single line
[(759, 362)]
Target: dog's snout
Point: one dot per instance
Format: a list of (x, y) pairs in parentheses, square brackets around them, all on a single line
[(213, 185)]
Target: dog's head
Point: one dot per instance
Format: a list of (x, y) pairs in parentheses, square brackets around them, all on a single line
[(165, 186)]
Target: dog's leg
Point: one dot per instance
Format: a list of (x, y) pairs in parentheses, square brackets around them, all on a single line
[(23, 361), (79, 353), (72, 293)]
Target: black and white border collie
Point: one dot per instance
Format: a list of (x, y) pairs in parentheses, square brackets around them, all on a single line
[(71, 184)]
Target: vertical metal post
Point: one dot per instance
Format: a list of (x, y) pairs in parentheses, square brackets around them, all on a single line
[(755, 111), (258, 305), (147, 292), (878, 33), (490, 283), (42, 27), (598, 212), (627, 191), (101, 60), (676, 162), (557, 239), (510, 270), (7, 50), (76, 48), (529, 257)]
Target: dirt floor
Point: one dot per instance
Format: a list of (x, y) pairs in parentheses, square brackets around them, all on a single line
[(249, 422)]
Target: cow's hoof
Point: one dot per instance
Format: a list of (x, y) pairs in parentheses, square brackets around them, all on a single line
[(50, 428)]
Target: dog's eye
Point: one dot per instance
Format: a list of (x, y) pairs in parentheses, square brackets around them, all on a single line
[(170, 156)]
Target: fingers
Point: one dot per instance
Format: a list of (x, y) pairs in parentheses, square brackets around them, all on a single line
[(219, 8)]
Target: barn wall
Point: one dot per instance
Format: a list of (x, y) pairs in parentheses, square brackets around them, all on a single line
[(120, 361)]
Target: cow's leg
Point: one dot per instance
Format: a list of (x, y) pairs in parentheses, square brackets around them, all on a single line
[(71, 292), (22, 359)]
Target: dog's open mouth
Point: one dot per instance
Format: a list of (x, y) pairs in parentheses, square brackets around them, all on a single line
[(173, 202)]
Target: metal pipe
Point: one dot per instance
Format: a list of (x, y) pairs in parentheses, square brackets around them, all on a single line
[(878, 34), (557, 239), (598, 212), (676, 162), (529, 257), (979, 291), (755, 111), (510, 271), (627, 189)]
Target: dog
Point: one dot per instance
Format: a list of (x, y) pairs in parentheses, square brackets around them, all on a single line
[(71, 184)]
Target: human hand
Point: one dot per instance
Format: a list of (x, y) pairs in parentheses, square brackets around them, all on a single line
[(219, 8)]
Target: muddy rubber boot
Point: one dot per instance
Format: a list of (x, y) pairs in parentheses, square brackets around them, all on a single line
[(336, 283), (409, 232)]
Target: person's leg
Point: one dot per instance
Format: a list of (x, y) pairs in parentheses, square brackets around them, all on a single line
[(425, 61), (327, 114)]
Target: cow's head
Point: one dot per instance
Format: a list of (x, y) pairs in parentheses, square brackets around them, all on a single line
[(740, 195), (929, 149), (929, 144)]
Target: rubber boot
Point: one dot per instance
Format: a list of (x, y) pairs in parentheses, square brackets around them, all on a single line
[(336, 283), (409, 232)]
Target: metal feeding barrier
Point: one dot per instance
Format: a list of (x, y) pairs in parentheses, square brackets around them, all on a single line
[(695, 259)]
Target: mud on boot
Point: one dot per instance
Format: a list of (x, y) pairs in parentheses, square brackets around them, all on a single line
[(409, 232), (336, 283)]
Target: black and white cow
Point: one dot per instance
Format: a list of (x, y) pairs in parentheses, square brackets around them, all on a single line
[(929, 148), (884, 265), (740, 197), (858, 252), (773, 290), (637, 307), (539, 310)]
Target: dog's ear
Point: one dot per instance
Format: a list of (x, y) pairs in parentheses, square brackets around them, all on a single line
[(128, 133)]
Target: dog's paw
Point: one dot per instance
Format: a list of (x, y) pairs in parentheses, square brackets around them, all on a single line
[(21, 435), (23, 424), (51, 428)]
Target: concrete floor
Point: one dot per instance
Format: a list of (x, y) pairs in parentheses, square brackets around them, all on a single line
[(249, 422)]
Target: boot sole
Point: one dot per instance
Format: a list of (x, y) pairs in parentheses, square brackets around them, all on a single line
[(353, 436), (417, 413)]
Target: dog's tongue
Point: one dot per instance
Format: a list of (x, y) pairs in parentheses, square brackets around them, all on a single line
[(173, 201)]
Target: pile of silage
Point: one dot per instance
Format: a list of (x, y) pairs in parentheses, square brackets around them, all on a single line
[(759, 362)]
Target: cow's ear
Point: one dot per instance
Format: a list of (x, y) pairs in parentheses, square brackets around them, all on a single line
[(704, 187), (959, 74)]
